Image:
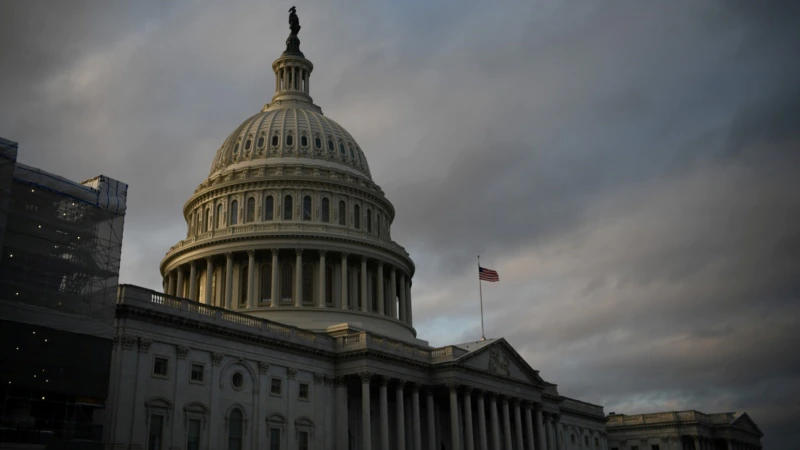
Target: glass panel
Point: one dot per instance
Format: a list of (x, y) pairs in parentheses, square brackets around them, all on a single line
[(275, 140), (303, 441), (275, 439), (342, 213), (289, 140), (287, 207), (269, 208), (197, 372), (235, 430), (369, 220), (251, 209), (317, 142), (234, 212), (326, 213), (193, 439), (307, 207), (357, 217), (261, 142), (220, 217), (156, 432)]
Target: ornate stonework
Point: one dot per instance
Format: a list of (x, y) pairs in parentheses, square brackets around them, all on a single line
[(144, 345), (499, 362), (181, 351)]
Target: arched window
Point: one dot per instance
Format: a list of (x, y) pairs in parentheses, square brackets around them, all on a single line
[(329, 285), (369, 220), (317, 142), (330, 145), (269, 208), (357, 217), (234, 213), (247, 144), (289, 140), (266, 282), (287, 282), (308, 283), (326, 210), (243, 285), (307, 207), (378, 220), (207, 224), (261, 142), (275, 140), (352, 155), (235, 430), (251, 210), (236, 149), (342, 213), (287, 207), (220, 217), (341, 149), (304, 141)]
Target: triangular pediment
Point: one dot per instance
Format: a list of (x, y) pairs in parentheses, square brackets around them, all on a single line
[(744, 422), (499, 358)]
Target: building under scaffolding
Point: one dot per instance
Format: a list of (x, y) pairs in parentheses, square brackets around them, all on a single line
[(60, 247)]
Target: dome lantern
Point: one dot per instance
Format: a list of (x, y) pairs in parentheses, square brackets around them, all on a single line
[(292, 70)]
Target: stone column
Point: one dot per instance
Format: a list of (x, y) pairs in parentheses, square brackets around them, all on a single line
[(506, 425), (431, 420), (193, 280), (551, 439), (228, 280), (364, 296), (529, 427), (322, 282), (251, 271), (345, 299), (401, 416), (455, 433), (393, 291), (469, 437), (482, 441), (696, 442), (276, 299), (209, 277), (495, 421), (381, 300), (403, 309), (179, 289), (341, 414), (417, 425), (366, 425), (170, 283), (298, 278), (384, 405), (541, 442), (518, 425), (409, 315), (730, 444)]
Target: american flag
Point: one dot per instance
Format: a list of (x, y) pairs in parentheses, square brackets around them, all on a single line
[(485, 274)]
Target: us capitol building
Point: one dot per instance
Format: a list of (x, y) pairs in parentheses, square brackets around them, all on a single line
[(287, 319)]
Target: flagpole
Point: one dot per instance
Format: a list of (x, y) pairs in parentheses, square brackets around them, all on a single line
[(480, 290)]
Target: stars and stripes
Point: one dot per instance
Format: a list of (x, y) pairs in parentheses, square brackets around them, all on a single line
[(485, 274)]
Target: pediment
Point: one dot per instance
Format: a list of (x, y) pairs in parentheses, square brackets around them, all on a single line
[(744, 422), (499, 358)]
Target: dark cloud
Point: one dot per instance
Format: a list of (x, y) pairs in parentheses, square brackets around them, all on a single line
[(629, 169)]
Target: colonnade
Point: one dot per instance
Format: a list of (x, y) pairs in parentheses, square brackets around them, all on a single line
[(334, 279), (458, 415)]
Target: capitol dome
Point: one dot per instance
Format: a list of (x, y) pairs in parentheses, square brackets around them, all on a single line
[(289, 225)]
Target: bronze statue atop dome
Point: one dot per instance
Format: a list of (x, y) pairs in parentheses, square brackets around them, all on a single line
[(294, 22)]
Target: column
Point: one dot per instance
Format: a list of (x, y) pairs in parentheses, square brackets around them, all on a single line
[(193, 280), (538, 422), (171, 283), (276, 300), (410, 317), (384, 405), (506, 425), (229, 280), (393, 293), (366, 425), (251, 274), (495, 421), (469, 438), (381, 299), (482, 441), (403, 310), (209, 277), (529, 427), (696, 442), (518, 425), (431, 420), (730, 444), (401, 421), (417, 425), (345, 299), (179, 289), (364, 296), (341, 413), (455, 433), (298, 278), (322, 282), (551, 444)]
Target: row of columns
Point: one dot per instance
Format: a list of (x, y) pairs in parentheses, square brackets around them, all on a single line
[(398, 278), (537, 426), (292, 77)]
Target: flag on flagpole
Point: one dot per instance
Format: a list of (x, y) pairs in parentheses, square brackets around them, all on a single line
[(485, 274)]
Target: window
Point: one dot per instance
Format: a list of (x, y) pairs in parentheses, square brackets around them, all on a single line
[(156, 437), (317, 142), (357, 217), (275, 140), (275, 439), (269, 208), (289, 140), (207, 224), (193, 435), (160, 366), (307, 207), (326, 210), (304, 141), (243, 287), (287, 280), (251, 210), (275, 386), (234, 213), (235, 430), (247, 144), (266, 282), (237, 380), (308, 283), (287, 207), (378, 220), (329, 285), (261, 142), (369, 220), (352, 155), (220, 216), (330, 145), (198, 371), (236, 149), (303, 392), (341, 149), (342, 213), (302, 440)]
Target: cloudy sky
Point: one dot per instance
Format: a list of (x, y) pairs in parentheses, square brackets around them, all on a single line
[(629, 167)]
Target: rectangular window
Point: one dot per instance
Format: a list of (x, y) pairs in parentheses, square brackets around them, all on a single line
[(154, 442), (193, 439), (302, 439), (198, 370), (160, 366), (275, 386), (303, 392), (275, 439)]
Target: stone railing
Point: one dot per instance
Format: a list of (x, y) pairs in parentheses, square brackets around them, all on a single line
[(579, 406), (665, 417), (145, 298), (365, 341)]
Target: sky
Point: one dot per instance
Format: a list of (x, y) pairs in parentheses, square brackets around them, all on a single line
[(628, 167)]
